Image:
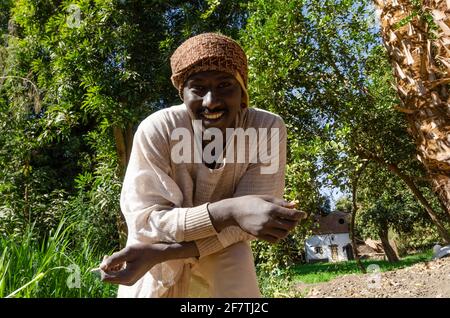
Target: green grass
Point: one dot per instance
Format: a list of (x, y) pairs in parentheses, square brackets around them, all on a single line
[(29, 268), (323, 272)]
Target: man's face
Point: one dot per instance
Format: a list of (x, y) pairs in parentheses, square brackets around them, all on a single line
[(214, 98)]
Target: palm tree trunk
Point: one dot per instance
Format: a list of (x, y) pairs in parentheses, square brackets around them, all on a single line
[(421, 60)]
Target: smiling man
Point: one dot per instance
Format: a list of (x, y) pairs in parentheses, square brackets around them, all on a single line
[(189, 223)]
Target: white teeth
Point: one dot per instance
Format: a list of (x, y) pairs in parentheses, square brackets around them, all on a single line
[(213, 116)]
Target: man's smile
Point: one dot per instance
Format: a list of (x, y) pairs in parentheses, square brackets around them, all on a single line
[(212, 116)]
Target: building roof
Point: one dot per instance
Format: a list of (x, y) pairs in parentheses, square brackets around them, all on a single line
[(333, 223)]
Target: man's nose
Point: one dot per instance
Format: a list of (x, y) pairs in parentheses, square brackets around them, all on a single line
[(211, 100)]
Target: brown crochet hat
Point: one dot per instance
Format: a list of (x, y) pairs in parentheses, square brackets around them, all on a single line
[(209, 52)]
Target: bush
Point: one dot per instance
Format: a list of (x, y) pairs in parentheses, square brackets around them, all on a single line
[(277, 284)]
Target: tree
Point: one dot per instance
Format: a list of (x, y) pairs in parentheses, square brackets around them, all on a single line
[(343, 204), (415, 35), (385, 208)]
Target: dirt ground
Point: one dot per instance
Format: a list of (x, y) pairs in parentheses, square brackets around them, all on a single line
[(423, 280)]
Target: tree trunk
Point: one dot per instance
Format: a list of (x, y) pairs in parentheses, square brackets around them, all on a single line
[(354, 184), (129, 134), (124, 141), (121, 148), (422, 67), (383, 232)]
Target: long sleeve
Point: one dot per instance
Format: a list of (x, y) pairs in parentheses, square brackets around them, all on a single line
[(255, 182), (151, 200)]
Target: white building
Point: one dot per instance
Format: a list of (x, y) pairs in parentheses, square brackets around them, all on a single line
[(330, 241)]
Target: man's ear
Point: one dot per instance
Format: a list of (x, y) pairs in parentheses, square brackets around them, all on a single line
[(243, 104)]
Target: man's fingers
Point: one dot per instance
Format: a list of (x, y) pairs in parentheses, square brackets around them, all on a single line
[(290, 214), (122, 277), (115, 259), (283, 224), (277, 201)]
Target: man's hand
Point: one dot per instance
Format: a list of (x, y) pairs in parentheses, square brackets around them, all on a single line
[(128, 265), (265, 217)]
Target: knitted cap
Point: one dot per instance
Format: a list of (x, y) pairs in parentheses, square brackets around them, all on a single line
[(208, 52)]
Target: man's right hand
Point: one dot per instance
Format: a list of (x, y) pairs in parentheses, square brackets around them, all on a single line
[(263, 216)]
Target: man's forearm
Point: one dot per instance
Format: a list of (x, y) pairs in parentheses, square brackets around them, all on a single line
[(181, 250)]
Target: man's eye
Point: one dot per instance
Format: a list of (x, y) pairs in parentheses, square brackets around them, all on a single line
[(224, 84)]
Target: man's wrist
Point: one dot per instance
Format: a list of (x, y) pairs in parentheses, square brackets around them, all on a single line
[(221, 214)]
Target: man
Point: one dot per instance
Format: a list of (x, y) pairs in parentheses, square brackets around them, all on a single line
[(190, 214)]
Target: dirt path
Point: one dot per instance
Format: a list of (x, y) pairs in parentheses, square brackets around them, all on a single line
[(428, 279)]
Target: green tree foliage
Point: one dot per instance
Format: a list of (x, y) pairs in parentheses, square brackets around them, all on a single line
[(344, 204), (390, 205), (311, 76), (80, 76), (393, 207)]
